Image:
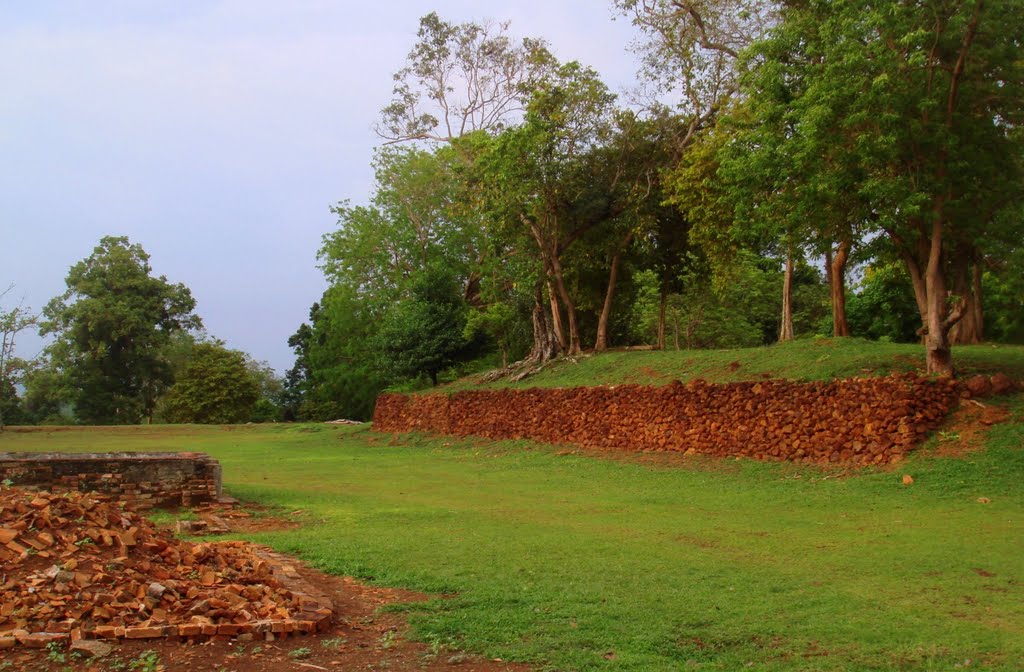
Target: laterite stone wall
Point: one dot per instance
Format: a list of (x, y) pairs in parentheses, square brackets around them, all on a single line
[(857, 421), (142, 479)]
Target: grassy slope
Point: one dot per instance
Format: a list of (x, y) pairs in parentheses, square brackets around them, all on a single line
[(582, 563), (812, 359)]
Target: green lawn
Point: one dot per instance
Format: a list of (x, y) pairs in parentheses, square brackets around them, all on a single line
[(805, 359), (573, 562)]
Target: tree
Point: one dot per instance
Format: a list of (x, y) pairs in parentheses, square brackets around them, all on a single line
[(693, 50), (217, 387), (928, 97), (540, 178), (458, 79), (271, 403), (112, 325), (12, 322), (424, 332)]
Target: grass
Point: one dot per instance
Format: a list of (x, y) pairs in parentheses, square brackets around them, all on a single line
[(571, 562), (805, 359)]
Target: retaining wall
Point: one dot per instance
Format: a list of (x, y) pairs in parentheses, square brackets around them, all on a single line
[(142, 479), (857, 421)]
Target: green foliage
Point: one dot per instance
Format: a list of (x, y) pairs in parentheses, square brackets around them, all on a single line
[(1004, 300), (112, 325), (335, 374), (216, 387), (883, 306), (12, 369), (424, 333)]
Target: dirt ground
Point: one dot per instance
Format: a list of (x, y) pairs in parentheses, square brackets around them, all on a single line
[(360, 639)]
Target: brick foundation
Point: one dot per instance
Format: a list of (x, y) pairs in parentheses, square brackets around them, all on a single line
[(858, 421), (144, 480)]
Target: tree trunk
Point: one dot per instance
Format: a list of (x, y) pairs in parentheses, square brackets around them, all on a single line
[(938, 355), (545, 343), (967, 286), (606, 310), (920, 287), (979, 313), (556, 317), (570, 309), (837, 286), (786, 330), (433, 377), (661, 311)]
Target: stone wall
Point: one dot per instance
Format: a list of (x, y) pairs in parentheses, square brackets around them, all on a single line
[(144, 480), (857, 421)]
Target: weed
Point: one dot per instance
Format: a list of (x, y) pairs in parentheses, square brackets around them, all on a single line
[(333, 644), (300, 653), (147, 661), (55, 653), (388, 639)]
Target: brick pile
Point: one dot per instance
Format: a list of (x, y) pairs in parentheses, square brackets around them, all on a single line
[(858, 421), (76, 566)]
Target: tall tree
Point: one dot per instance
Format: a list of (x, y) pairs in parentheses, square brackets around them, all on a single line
[(930, 95), (692, 53), (541, 181), (112, 325), (458, 79), (424, 332)]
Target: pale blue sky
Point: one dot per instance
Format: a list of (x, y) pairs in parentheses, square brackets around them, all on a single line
[(217, 134)]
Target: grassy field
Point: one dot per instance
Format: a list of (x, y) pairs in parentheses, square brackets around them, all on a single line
[(805, 359), (572, 562)]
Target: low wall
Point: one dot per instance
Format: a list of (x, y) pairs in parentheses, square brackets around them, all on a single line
[(857, 421), (144, 480)]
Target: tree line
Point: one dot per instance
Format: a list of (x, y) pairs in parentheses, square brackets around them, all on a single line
[(127, 348), (522, 212)]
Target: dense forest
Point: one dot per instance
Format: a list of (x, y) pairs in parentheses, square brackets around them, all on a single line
[(785, 170)]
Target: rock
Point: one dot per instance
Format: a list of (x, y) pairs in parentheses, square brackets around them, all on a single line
[(907, 479), (1002, 384), (92, 648), (984, 500), (978, 386)]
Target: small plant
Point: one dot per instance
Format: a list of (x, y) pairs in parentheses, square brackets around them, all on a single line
[(84, 541), (147, 661), (55, 653), (239, 650), (333, 644), (388, 639), (7, 483), (116, 664), (949, 436), (300, 653)]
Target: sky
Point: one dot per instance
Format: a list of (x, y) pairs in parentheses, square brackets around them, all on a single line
[(217, 134)]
